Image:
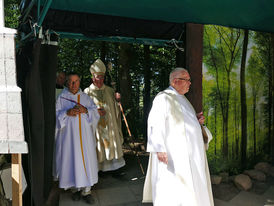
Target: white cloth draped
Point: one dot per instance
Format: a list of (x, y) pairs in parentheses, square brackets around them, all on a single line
[(75, 154), (173, 128)]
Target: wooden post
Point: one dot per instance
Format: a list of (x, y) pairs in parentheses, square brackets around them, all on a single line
[(194, 60), (16, 179)]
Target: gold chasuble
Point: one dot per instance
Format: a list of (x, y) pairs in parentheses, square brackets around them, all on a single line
[(109, 136)]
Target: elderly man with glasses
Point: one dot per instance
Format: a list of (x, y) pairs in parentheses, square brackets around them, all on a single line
[(178, 172)]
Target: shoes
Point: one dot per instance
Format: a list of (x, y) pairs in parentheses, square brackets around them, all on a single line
[(76, 196), (88, 199)]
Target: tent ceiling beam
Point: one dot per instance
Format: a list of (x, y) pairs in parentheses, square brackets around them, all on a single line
[(146, 41)]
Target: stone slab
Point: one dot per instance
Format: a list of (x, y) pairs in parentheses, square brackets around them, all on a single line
[(65, 200), (3, 103), (247, 199), (15, 127), (13, 147), (9, 46), (136, 203), (14, 103), (112, 196), (20, 147), (4, 147), (2, 71), (3, 127), (5, 30), (137, 190), (218, 202), (10, 71), (269, 195)]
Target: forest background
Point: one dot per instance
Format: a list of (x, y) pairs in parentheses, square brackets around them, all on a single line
[(238, 68)]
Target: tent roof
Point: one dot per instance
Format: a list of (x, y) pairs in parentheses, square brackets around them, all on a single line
[(159, 22), (246, 14)]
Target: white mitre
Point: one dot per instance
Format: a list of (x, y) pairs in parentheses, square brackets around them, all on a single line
[(98, 68)]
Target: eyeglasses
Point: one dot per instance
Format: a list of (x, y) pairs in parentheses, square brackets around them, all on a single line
[(189, 80)]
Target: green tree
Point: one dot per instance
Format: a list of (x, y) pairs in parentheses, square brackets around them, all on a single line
[(12, 13), (264, 46), (222, 47), (243, 102), (254, 80)]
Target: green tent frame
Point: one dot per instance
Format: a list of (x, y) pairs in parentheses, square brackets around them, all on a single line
[(245, 14)]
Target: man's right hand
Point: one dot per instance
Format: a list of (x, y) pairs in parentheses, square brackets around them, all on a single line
[(72, 112), (162, 156)]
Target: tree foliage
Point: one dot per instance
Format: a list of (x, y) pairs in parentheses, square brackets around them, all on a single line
[(221, 90)]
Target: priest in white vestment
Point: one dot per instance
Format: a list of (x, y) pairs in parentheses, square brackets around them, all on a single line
[(109, 135), (76, 160), (178, 172)]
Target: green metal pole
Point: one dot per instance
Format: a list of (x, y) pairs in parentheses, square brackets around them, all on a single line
[(27, 11), (44, 12), (38, 8)]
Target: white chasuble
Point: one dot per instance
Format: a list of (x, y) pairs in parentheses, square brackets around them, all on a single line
[(75, 154), (109, 135), (174, 128)]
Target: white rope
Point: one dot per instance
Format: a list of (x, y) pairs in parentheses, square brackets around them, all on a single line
[(174, 42)]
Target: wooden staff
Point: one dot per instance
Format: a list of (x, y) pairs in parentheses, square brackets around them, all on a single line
[(135, 151)]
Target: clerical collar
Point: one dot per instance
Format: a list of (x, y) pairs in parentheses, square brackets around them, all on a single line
[(173, 89)]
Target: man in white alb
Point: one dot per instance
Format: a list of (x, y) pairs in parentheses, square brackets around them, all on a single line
[(178, 173), (75, 156)]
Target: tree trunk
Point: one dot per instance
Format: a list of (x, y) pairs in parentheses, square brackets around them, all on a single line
[(215, 129), (237, 133), (236, 129), (147, 77), (124, 74), (125, 82), (243, 102), (254, 126), (225, 122)]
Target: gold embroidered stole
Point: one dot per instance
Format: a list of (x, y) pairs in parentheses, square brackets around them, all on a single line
[(80, 134)]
